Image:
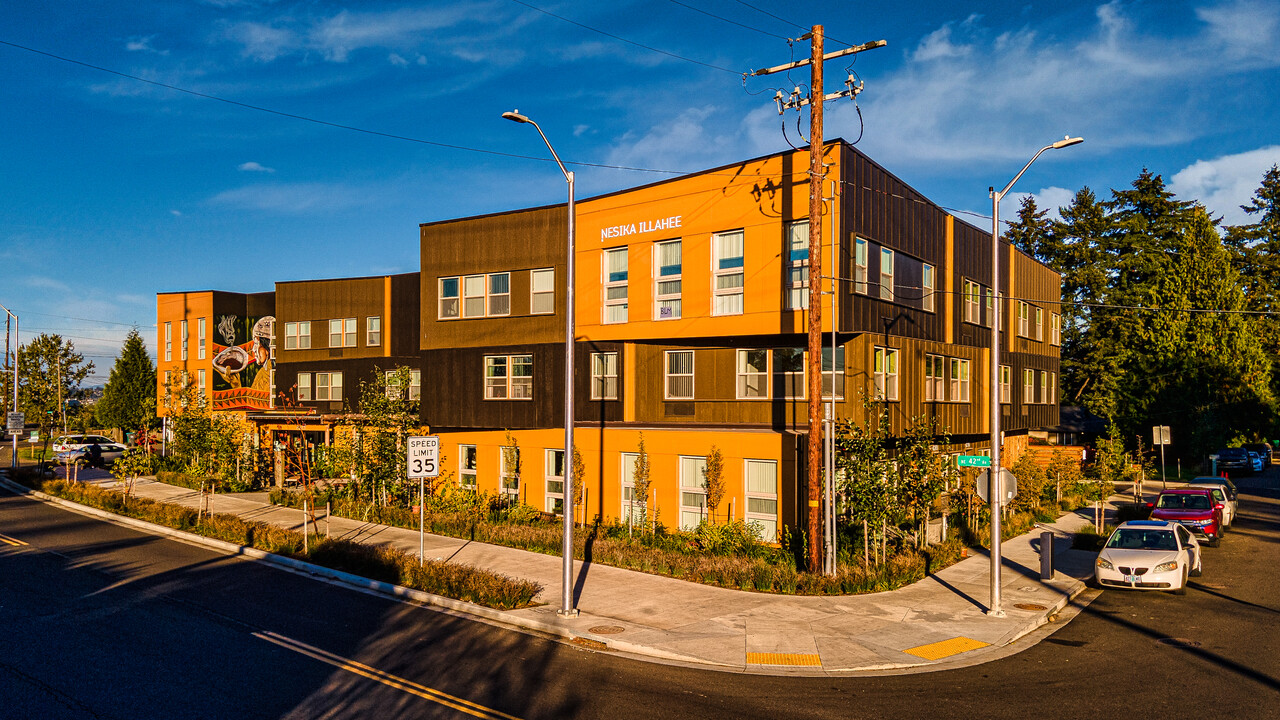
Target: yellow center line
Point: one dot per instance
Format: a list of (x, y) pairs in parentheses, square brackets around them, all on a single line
[(11, 540), (395, 681)]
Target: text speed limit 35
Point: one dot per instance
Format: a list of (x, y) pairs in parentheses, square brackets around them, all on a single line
[(424, 456)]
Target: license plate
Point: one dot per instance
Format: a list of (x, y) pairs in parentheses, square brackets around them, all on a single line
[(1131, 578)]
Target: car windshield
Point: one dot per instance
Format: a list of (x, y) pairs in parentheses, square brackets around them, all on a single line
[(1183, 502), (1135, 539)]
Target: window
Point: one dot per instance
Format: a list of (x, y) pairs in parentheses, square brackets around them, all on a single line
[(200, 339), (926, 288), (728, 274), (1024, 319), (991, 307), (297, 335), (473, 296), (328, 386), (753, 374), (934, 390), (508, 377), (667, 267), (972, 301), (304, 387), (788, 367), (184, 339), (467, 466), (1040, 324), (342, 332), (448, 298), (1006, 384), (373, 331), (693, 491), (886, 274), (555, 481), (542, 284), (499, 294), (1044, 386), (839, 372), (509, 485), (679, 375), (615, 285), (1028, 387), (604, 376), (860, 266), (632, 506), (886, 373), (200, 378), (959, 380), (1055, 329), (168, 341), (168, 380), (1053, 388), (415, 385), (796, 286), (762, 496)]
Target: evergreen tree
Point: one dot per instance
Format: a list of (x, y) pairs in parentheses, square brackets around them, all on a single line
[(129, 398), (49, 371), (1031, 232), (1255, 251), (1078, 241)]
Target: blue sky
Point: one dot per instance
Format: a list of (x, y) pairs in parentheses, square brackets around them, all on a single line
[(115, 189)]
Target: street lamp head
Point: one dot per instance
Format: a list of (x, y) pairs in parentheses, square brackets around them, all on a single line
[(515, 116), (1066, 141)]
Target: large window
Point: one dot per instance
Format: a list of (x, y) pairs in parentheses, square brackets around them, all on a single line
[(473, 296), (885, 368), (839, 372), (1006, 384), (328, 386), (1039, 324), (959, 380), (467, 466), (499, 294), (415, 385), (678, 379), (762, 496), (1028, 387), (615, 285), (934, 389), (184, 339), (373, 331), (1044, 386), (304, 387), (926, 287), (508, 377), (297, 335), (667, 272), (604, 376), (860, 266), (693, 491), (542, 284), (449, 298), (1024, 319), (972, 302), (555, 481), (168, 341), (632, 505), (788, 367), (886, 274), (201, 338), (991, 307), (1055, 329), (753, 374), (796, 286), (1053, 388), (728, 274), (342, 332)]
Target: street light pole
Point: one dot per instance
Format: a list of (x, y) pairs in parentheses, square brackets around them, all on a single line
[(13, 462), (993, 476), (566, 606)]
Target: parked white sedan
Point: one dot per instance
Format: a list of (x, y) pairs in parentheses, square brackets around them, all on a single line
[(1149, 555), (1221, 495)]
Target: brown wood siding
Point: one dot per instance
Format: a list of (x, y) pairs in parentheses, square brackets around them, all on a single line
[(319, 301), (516, 242), (354, 371), (403, 326)]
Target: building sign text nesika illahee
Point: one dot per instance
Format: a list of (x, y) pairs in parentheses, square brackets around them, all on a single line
[(644, 226)]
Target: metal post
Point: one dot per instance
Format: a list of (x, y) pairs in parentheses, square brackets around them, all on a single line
[(1163, 482), (17, 343), (422, 523)]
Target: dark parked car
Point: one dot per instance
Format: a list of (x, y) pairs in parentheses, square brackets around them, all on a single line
[(1234, 460), (1262, 449)]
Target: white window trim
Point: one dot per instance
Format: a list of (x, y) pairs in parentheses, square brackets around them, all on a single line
[(490, 295), (548, 458), (739, 374), (595, 384), (666, 375), (346, 334), (881, 357), (463, 471), (509, 384), (330, 394), (781, 376), (796, 292), (861, 253), (1024, 319), (887, 290), (700, 488), (201, 337), (972, 294), (749, 494), (1055, 329), (504, 474), (607, 284), (717, 272), (304, 388), (372, 337), (534, 293), (658, 279), (627, 482), (185, 337), (927, 280), (1039, 323), (934, 378), (1006, 384), (1028, 386), (441, 298), (168, 342), (464, 297)]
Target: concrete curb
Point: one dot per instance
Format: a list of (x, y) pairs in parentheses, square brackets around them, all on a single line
[(555, 630)]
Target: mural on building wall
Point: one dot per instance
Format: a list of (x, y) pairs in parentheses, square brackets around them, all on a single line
[(242, 362)]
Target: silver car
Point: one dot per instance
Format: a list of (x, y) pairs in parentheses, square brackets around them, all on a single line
[(110, 453)]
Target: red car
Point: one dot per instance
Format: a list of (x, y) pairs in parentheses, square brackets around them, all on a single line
[(1194, 509)]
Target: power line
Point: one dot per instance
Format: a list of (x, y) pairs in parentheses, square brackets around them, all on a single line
[(731, 22), (92, 320)]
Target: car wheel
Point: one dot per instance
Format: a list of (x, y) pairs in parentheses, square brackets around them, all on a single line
[(1197, 570), (1215, 542), (1182, 589)]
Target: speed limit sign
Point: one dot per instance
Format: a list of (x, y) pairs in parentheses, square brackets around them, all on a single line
[(424, 456)]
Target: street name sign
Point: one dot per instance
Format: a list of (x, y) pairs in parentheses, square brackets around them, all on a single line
[(973, 461), (423, 456), (1008, 486)]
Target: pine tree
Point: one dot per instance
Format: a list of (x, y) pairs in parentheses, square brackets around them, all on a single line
[(1255, 254), (129, 398), (1031, 233)]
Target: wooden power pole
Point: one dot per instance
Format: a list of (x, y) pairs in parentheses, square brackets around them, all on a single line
[(817, 173)]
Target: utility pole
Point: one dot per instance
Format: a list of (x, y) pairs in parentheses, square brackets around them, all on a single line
[(817, 173)]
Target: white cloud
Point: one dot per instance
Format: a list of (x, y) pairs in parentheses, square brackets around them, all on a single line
[(937, 45), (263, 42), (292, 199), (1245, 29), (1050, 198), (176, 213), (254, 167), (690, 141), (143, 44), (1225, 183), (397, 60)]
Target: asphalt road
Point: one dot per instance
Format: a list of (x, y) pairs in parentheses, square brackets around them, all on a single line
[(101, 621)]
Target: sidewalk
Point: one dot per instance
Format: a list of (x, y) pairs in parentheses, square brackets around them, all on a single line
[(938, 621)]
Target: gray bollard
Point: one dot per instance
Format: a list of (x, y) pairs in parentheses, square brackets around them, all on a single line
[(1046, 556)]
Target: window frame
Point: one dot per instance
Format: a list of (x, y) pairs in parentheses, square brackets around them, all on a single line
[(927, 281), (1006, 384), (972, 295), (201, 378), (741, 376), (469, 296), (509, 376), (667, 300), (1039, 324), (535, 294), (168, 341), (935, 387), (796, 296), (346, 333), (885, 371), (548, 467), (491, 296), (627, 481), (184, 337), (455, 297), (719, 271), (608, 284), (695, 491), (887, 289), (509, 479), (787, 379), (826, 372), (861, 252), (373, 331), (333, 390), (1024, 319), (303, 387), (201, 338), (1055, 329), (748, 494), (600, 380), (1028, 386), (464, 471), (958, 376), (668, 376)]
